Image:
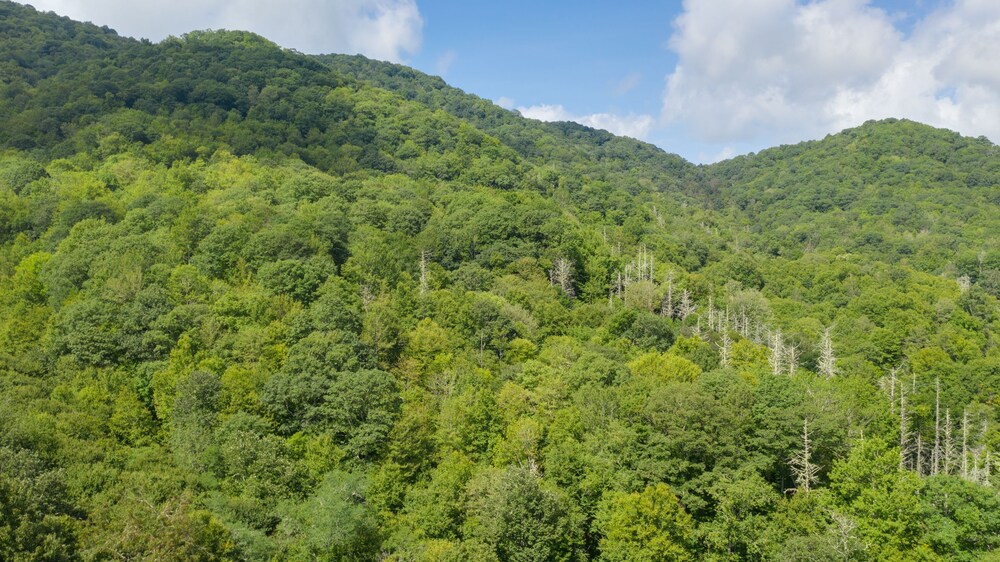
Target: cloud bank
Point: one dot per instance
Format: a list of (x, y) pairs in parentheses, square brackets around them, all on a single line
[(381, 29), (772, 71), (630, 125)]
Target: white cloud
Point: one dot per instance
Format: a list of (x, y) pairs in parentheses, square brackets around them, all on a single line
[(726, 153), (505, 102), (444, 62), (545, 112), (630, 125), (382, 29), (781, 70)]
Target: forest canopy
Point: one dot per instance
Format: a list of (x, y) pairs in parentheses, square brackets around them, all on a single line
[(259, 305)]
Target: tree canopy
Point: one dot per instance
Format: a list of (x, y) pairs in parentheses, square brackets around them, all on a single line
[(259, 305)]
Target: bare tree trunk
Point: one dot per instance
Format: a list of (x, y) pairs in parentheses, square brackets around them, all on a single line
[(686, 307), (667, 306), (936, 453), (965, 444), (949, 443), (562, 275), (424, 255), (904, 431), (724, 347), (920, 455), (892, 391), (792, 358), (777, 349), (827, 361), (804, 471)]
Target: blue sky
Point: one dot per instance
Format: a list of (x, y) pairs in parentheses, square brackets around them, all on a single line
[(707, 79), (585, 57), (610, 56)]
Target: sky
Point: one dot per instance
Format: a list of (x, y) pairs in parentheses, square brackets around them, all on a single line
[(706, 79)]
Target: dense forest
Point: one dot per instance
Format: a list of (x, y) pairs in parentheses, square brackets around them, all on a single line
[(259, 305)]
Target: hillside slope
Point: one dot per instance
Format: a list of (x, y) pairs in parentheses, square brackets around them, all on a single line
[(256, 305), (894, 190)]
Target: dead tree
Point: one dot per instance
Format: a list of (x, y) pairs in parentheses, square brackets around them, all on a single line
[(792, 359), (964, 283), (949, 443), (667, 306), (904, 430), (686, 307), (919, 468), (725, 346), (936, 452), (892, 390), (561, 275), (827, 361), (424, 257), (965, 444), (805, 472), (776, 358)]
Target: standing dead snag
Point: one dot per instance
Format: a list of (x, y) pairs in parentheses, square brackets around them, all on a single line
[(725, 345), (686, 307), (827, 364), (667, 306), (949, 443), (805, 472), (424, 257), (777, 356), (904, 429), (561, 275), (965, 444), (936, 453), (792, 358)]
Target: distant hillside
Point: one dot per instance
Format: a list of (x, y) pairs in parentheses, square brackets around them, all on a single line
[(895, 190)]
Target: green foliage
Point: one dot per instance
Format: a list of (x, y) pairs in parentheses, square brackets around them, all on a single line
[(664, 367), (36, 520), (646, 526), (523, 519), (332, 524), (885, 501), (259, 305)]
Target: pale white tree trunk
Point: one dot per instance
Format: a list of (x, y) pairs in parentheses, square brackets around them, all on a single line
[(424, 257), (725, 345), (805, 472), (827, 364), (562, 276)]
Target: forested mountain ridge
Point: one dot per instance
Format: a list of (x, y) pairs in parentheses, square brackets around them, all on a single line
[(258, 305), (525, 136), (898, 190)]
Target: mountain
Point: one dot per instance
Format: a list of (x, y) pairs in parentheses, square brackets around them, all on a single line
[(260, 305)]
